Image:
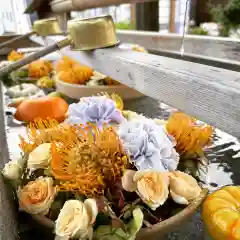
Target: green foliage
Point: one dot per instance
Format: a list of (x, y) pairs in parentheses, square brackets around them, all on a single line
[(107, 232), (124, 26), (198, 31), (228, 16)]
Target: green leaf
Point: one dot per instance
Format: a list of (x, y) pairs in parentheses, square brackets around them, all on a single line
[(136, 223), (109, 233)]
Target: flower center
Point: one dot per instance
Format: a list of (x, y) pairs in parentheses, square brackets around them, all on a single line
[(37, 193)]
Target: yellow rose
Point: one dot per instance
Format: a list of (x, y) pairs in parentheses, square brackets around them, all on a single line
[(37, 196), (40, 157), (151, 186), (12, 170), (76, 219), (183, 187)]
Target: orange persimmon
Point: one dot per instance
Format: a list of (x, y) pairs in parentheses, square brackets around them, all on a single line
[(43, 107)]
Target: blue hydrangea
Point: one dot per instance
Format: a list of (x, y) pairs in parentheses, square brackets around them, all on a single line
[(148, 145), (98, 110)]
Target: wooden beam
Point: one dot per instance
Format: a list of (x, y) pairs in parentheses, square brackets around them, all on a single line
[(208, 93), (147, 16), (172, 16), (79, 5), (133, 15)]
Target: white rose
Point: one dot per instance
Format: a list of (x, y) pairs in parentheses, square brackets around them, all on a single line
[(183, 187), (37, 196), (40, 157), (76, 219), (12, 170), (151, 186)]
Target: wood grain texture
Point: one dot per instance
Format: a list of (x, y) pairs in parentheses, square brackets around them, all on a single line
[(216, 47), (208, 93), (59, 6)]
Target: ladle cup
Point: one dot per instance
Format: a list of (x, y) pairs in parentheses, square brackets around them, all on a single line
[(43, 28), (84, 34)]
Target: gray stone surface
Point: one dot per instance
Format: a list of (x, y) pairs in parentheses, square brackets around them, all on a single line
[(8, 223)]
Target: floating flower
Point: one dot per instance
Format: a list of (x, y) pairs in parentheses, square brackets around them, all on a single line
[(148, 145), (12, 170), (151, 186), (37, 196), (76, 219), (183, 187), (15, 56), (40, 157), (96, 110), (191, 136)]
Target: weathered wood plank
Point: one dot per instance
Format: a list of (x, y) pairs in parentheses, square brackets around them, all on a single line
[(216, 47), (77, 5), (208, 93)]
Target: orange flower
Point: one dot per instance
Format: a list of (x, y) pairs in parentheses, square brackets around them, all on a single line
[(82, 73), (70, 71), (15, 56), (67, 76), (37, 196), (88, 162), (65, 64), (39, 68), (190, 136)]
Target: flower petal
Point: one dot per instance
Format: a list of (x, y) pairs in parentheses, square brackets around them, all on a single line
[(128, 183)]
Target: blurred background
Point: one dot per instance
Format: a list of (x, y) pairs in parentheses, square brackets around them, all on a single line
[(203, 17)]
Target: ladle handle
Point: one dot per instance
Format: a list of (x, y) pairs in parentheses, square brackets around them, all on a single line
[(34, 56), (4, 44)]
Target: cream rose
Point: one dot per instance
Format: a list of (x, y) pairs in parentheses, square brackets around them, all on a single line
[(37, 196), (76, 219), (12, 170), (151, 186), (40, 157), (183, 187)]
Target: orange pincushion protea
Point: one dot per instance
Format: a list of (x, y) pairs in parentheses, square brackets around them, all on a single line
[(39, 68), (44, 131), (64, 64), (70, 71), (87, 165), (190, 136), (84, 159), (15, 56), (67, 76), (82, 73)]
